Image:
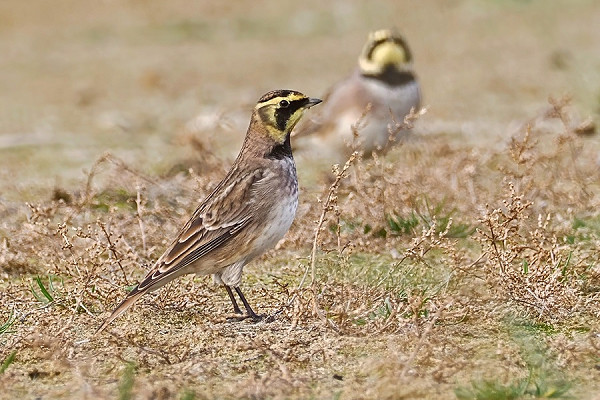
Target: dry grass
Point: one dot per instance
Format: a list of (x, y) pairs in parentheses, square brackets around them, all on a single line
[(411, 289), (457, 265)]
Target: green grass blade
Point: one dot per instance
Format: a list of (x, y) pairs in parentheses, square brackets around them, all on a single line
[(127, 381), (45, 291), (45, 296), (7, 361), (4, 328)]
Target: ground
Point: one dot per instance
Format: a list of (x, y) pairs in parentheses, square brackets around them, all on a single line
[(462, 264)]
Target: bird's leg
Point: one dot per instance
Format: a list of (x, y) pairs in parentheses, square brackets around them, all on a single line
[(236, 308), (249, 311)]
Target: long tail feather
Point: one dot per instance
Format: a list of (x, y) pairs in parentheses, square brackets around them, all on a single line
[(121, 308)]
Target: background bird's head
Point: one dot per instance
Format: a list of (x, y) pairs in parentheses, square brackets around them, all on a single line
[(384, 49), (280, 110)]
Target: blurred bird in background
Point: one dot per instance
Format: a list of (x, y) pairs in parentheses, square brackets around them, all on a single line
[(366, 110)]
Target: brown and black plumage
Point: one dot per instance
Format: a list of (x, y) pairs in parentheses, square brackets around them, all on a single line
[(248, 212)]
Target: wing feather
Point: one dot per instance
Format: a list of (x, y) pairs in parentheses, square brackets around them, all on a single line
[(216, 221), (222, 216)]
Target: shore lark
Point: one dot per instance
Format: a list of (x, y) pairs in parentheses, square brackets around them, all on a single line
[(379, 93), (249, 211)]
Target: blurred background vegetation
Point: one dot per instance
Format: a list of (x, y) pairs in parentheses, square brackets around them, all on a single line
[(79, 78)]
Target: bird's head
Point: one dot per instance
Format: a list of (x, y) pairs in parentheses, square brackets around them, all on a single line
[(280, 110), (384, 49)]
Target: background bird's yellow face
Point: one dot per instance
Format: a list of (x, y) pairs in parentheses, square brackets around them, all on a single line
[(280, 111), (383, 48), (389, 53)]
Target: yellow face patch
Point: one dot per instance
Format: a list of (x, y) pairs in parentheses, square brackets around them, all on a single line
[(389, 53), (281, 113), (383, 48)]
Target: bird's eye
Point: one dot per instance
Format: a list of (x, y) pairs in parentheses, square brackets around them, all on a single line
[(284, 103)]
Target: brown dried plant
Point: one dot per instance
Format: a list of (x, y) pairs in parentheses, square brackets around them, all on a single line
[(421, 246), (527, 264)]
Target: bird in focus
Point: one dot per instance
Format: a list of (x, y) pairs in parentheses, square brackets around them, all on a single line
[(374, 99), (248, 212)]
